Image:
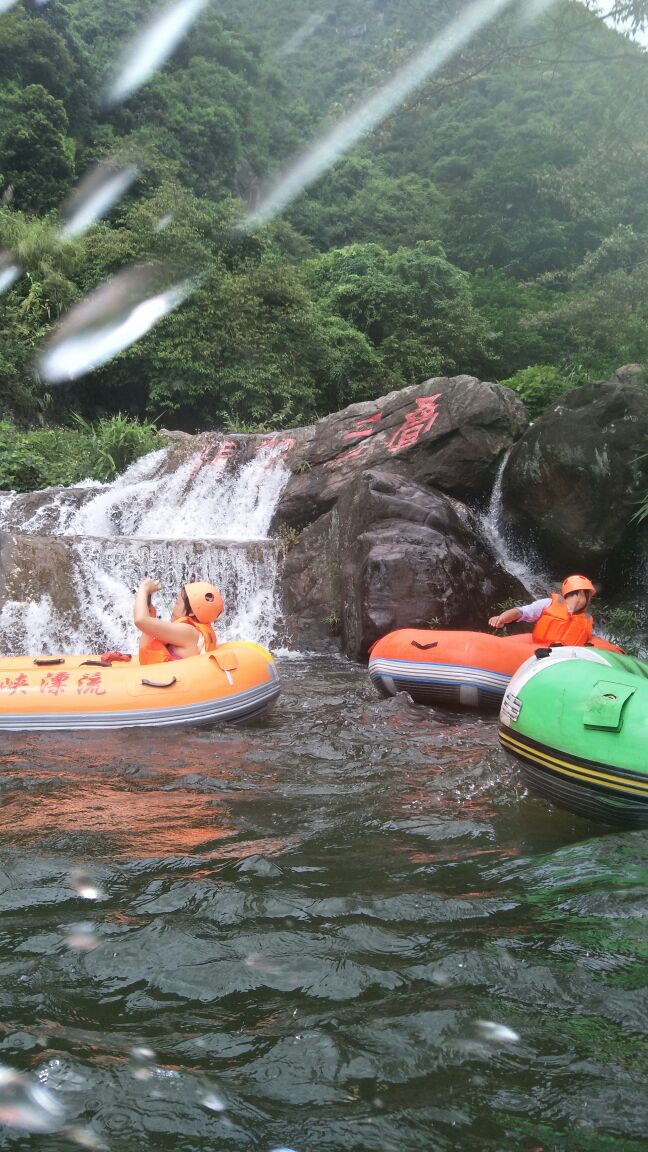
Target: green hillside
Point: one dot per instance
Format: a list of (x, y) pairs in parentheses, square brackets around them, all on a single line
[(495, 222)]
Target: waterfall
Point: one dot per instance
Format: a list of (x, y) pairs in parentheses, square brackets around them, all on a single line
[(494, 530), (206, 517)]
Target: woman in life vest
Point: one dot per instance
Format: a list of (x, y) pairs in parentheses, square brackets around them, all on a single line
[(557, 619), (187, 633)]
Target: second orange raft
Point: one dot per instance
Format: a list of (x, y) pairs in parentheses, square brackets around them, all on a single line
[(469, 669)]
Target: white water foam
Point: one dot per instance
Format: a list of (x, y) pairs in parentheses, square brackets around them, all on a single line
[(494, 530), (205, 520)]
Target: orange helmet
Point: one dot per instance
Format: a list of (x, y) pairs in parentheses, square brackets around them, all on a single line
[(577, 584), (205, 601)]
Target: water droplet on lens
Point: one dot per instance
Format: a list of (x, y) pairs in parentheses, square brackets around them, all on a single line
[(6, 5), (499, 1033), (81, 937), (113, 317), (164, 222), (153, 47), (85, 1138), (143, 1067), (99, 190), (85, 886), (26, 1104), (10, 270), (213, 1102)]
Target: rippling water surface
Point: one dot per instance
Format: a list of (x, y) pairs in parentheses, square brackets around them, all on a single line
[(346, 927)]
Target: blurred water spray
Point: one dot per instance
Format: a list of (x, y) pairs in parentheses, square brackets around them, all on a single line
[(96, 194), (10, 270), (26, 1104), (342, 138), (152, 48), (113, 317)]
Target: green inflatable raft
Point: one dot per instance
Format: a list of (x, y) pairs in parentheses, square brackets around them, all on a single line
[(577, 720)]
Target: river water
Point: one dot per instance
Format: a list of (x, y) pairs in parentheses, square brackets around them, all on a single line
[(345, 927)]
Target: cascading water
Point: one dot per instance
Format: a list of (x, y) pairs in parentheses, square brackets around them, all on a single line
[(495, 533), (207, 518)]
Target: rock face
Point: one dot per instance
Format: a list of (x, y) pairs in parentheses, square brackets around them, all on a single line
[(447, 433), (376, 515), (382, 542), (393, 554), (573, 481), (26, 566)]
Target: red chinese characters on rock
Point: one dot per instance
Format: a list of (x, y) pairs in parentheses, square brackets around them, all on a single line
[(283, 445), (418, 420), (358, 432), (225, 449), (212, 454), (14, 684), (54, 682)]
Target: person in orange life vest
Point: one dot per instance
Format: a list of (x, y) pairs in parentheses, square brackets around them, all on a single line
[(557, 619), (188, 632)]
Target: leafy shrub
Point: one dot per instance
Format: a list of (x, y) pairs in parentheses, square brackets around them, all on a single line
[(541, 385), (116, 442), (622, 626), (53, 456)]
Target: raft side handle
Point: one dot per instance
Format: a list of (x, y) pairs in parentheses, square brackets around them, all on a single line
[(43, 661), (425, 647), (227, 662), (159, 683), (96, 663)]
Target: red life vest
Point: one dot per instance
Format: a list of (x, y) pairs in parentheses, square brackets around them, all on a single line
[(157, 652), (556, 625)]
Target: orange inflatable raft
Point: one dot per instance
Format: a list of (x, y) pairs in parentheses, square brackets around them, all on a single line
[(453, 668), (237, 681)]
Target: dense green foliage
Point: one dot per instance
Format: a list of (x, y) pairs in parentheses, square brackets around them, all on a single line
[(51, 456), (496, 222), (540, 385)]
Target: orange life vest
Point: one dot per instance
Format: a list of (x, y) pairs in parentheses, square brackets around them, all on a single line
[(157, 652), (556, 625)]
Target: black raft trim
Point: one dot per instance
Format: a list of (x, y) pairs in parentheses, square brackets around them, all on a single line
[(558, 753)]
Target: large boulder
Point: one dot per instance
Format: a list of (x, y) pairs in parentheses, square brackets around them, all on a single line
[(393, 554), (574, 480), (310, 588), (448, 433)]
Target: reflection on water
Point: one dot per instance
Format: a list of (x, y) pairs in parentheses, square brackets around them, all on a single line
[(344, 927)]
